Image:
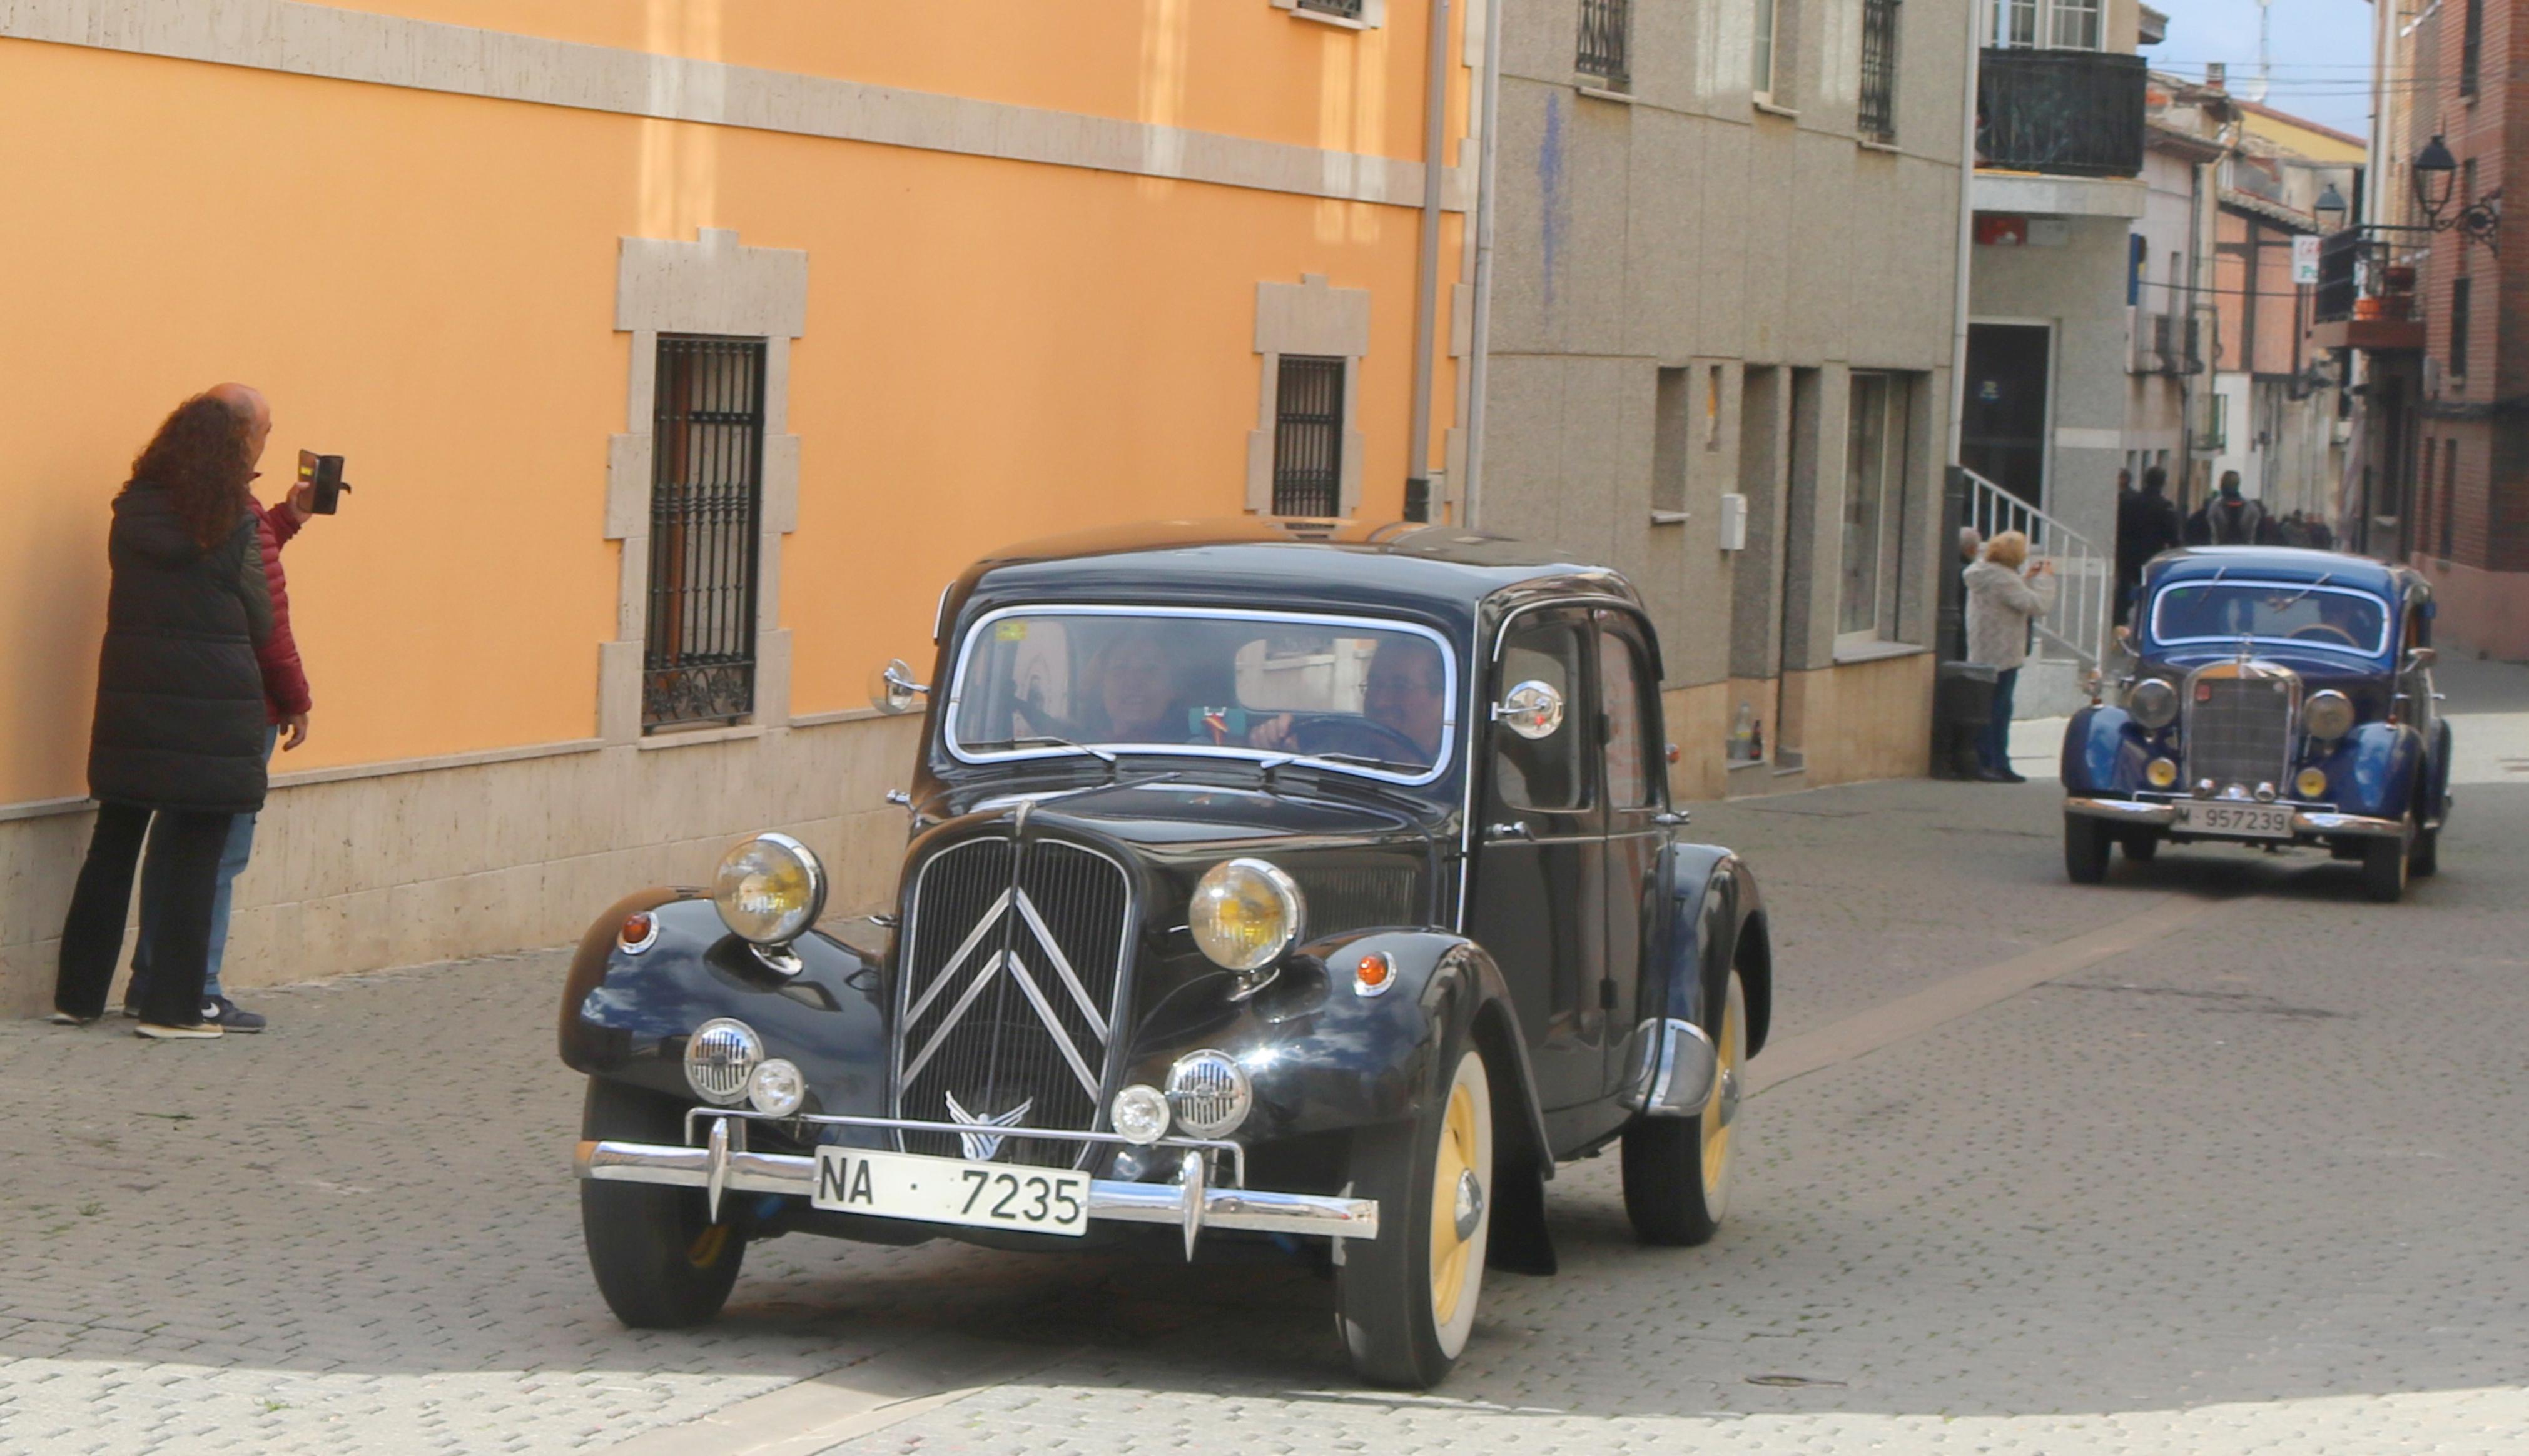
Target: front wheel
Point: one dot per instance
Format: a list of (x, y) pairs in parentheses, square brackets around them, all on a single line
[(659, 1261), (2085, 849), (2425, 858), (2384, 869), (1406, 1300), (1678, 1170)]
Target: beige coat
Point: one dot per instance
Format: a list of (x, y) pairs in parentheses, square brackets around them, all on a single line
[(2001, 603)]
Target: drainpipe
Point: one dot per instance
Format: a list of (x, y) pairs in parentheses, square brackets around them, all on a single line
[(1967, 242), (1480, 336), (1418, 456)]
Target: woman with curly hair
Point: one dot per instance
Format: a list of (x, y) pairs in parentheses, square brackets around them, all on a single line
[(178, 732)]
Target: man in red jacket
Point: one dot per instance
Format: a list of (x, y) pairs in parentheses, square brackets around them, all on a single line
[(285, 708)]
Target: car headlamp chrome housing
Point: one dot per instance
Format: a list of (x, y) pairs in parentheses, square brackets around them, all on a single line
[(1245, 914), (1210, 1093), (721, 1058), (2328, 713), (2153, 703), (769, 890)]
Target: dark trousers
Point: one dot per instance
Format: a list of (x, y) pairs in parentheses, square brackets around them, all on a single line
[(1994, 747), (185, 856)]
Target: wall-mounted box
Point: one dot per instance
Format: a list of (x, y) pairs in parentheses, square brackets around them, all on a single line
[(1733, 522)]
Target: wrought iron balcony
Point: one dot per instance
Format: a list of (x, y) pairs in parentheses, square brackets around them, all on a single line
[(2367, 295), (2070, 113)]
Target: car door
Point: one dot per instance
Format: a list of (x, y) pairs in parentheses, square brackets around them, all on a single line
[(1534, 901), (1635, 786)]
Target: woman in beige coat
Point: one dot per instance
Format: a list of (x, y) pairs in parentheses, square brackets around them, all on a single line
[(2003, 600)]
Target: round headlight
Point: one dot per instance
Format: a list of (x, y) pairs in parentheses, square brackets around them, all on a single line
[(720, 1059), (770, 888), (2328, 713), (2152, 702), (1210, 1093), (777, 1087), (1140, 1114), (1245, 913)]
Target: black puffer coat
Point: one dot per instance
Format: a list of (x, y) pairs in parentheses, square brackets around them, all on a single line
[(179, 714)]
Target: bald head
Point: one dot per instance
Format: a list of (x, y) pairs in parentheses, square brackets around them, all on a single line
[(250, 404)]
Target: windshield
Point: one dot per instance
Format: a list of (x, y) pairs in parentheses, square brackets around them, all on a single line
[(1368, 697), (2307, 615)]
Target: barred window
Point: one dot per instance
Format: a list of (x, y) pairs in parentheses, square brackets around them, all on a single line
[(1348, 9), (1606, 34), (706, 500), (1877, 117), (1308, 436), (2462, 295), (2471, 47)]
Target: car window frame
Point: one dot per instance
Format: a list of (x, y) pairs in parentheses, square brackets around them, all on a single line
[(2387, 614), (1580, 707), (976, 630), (1629, 628)]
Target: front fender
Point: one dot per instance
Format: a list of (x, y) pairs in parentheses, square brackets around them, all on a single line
[(1716, 918), (1323, 1058), (2374, 770), (2105, 752), (625, 1016)]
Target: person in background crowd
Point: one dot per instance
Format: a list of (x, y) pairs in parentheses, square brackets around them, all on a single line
[(2001, 603), (2294, 530), (179, 729), (2231, 519), (2148, 525), (286, 709), (2322, 536)]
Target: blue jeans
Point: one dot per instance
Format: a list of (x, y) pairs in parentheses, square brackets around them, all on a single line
[(233, 858), (1993, 746)]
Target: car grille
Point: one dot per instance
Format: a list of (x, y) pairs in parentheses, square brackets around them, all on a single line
[(2240, 731), (1014, 967)]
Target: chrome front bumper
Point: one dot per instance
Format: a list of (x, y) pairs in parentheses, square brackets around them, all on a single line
[(723, 1164), (2151, 814)]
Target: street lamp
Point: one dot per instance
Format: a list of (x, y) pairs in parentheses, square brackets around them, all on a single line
[(2330, 209), (2436, 173)]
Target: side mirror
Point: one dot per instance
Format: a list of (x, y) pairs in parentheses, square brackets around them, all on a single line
[(2420, 658), (1532, 709), (893, 688)]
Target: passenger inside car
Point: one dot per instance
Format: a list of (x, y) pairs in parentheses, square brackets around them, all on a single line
[(1405, 692)]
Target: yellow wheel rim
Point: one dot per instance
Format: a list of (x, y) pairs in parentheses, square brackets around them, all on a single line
[(706, 1247), (1717, 1127), (1448, 1251)]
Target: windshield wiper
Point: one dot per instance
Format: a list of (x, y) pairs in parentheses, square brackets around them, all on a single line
[(1092, 750), (1367, 760), (2305, 591)]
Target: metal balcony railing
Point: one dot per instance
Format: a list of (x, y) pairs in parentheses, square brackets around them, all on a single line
[(2367, 272), (2076, 631), (2073, 113), (2168, 344), (1606, 43)]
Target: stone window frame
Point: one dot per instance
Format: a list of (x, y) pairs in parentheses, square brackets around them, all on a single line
[(1373, 14), (1309, 317), (711, 286)]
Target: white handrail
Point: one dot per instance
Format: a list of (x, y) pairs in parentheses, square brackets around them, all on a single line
[(2076, 631)]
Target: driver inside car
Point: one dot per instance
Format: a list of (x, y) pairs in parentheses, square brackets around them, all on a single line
[(1402, 693)]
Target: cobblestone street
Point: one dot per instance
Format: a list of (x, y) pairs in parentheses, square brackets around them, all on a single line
[(2256, 1183)]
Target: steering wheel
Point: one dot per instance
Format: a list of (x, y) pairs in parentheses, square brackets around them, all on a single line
[(1359, 736), (2325, 627)]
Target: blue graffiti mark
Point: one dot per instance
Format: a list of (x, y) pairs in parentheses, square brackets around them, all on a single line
[(1555, 215)]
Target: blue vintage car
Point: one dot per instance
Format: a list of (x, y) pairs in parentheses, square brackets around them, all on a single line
[(2277, 697)]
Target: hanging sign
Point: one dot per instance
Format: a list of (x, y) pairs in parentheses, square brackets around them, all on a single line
[(2304, 260)]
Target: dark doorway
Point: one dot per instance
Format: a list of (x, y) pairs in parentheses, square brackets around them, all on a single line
[(2002, 437)]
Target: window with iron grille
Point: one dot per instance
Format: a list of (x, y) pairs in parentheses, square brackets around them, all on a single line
[(1348, 9), (706, 500), (1606, 34), (2471, 47), (1308, 437), (1877, 117), (2461, 291)]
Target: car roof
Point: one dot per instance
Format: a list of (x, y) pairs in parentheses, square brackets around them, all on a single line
[(2281, 564), (1446, 571)]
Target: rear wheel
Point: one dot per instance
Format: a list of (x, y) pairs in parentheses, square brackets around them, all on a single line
[(1678, 1170), (2085, 849), (659, 1261), (2384, 868), (1406, 1300), (2426, 857)]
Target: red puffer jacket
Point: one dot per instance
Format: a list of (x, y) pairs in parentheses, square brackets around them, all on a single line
[(284, 680)]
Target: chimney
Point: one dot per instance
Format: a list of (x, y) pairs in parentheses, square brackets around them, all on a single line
[(2217, 76)]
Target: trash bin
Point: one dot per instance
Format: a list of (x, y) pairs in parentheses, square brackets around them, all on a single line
[(1962, 705)]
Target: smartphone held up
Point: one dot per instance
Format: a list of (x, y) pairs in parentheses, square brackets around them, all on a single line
[(322, 474)]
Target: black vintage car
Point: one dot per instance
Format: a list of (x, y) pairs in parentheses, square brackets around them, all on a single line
[(1304, 888)]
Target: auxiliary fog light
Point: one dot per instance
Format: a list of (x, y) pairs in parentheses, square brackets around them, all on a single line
[(1140, 1114), (2161, 772), (2311, 784), (1210, 1093), (720, 1058), (777, 1087)]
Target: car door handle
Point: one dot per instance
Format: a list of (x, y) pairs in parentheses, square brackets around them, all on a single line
[(1673, 816), (1513, 830)]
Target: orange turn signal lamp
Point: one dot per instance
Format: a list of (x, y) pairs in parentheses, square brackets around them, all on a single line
[(1373, 973), (639, 933)]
